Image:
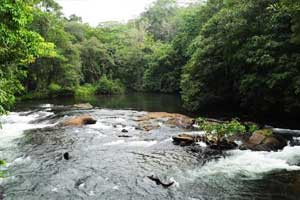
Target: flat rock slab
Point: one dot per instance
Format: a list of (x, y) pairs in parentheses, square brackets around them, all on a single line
[(173, 119), (83, 106)]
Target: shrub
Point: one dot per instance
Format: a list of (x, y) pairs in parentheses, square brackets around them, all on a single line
[(54, 88), (221, 130), (108, 87), (85, 90), (35, 95), (252, 128)]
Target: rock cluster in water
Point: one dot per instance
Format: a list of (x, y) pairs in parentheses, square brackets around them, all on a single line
[(261, 140)]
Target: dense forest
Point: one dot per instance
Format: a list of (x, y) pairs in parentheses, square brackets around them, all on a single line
[(218, 52)]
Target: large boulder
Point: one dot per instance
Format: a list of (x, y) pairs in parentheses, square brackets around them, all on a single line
[(264, 140), (80, 121), (256, 138)]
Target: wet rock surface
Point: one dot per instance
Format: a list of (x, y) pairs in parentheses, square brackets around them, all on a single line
[(150, 121), (264, 140), (79, 121), (213, 143)]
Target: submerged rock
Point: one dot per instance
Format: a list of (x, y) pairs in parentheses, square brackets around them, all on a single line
[(147, 126), (83, 106), (80, 121), (159, 182)]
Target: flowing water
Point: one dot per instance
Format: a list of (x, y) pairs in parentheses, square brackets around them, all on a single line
[(103, 165)]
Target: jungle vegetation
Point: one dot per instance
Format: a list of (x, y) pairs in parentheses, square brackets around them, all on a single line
[(240, 52)]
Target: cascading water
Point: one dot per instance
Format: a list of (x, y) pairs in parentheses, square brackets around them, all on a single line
[(104, 165)]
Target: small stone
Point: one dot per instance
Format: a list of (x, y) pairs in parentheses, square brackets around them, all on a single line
[(124, 136), (124, 131), (66, 156)]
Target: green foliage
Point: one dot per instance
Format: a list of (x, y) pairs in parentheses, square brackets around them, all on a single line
[(245, 54), (66, 65), (19, 46), (159, 19), (2, 162), (86, 90), (265, 132), (35, 95), (221, 130), (160, 74), (96, 60), (252, 128), (54, 88), (106, 86), (2, 172)]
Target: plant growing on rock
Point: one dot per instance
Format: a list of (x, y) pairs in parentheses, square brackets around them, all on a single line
[(219, 131), (252, 128)]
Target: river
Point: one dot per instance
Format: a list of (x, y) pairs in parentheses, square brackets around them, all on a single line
[(103, 165)]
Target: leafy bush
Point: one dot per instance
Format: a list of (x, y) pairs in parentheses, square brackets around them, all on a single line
[(35, 95), (54, 89), (108, 87), (85, 90), (252, 128), (221, 130)]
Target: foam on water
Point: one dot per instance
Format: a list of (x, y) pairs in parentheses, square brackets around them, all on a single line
[(142, 143), (131, 143), (251, 164), (100, 125), (118, 142), (20, 160), (46, 105), (15, 123)]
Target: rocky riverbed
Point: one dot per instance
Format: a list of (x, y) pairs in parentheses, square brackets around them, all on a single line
[(128, 154)]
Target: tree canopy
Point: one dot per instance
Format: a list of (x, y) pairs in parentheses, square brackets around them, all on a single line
[(214, 52)]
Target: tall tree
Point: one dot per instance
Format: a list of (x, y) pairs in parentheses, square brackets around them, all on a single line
[(18, 47)]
